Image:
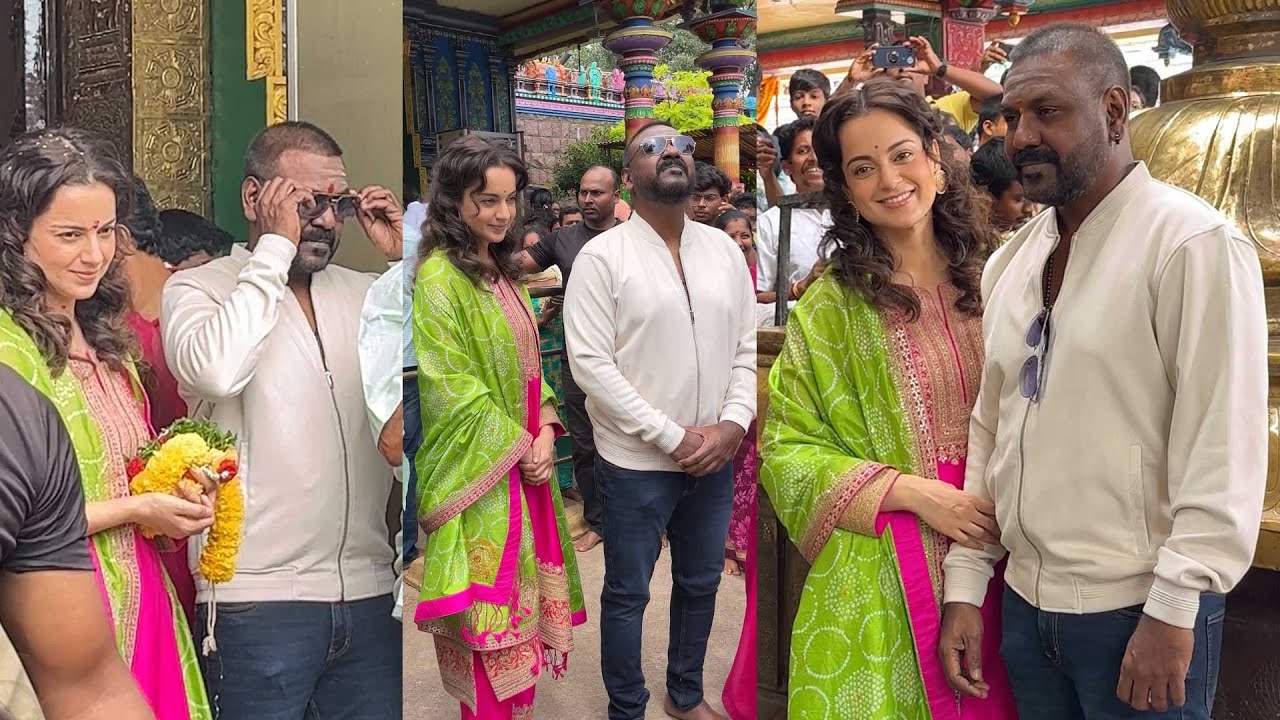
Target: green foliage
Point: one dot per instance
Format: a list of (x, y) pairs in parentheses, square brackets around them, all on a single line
[(582, 155)]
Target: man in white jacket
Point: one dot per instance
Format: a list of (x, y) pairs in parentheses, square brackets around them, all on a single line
[(265, 343), (1120, 429), (660, 324)]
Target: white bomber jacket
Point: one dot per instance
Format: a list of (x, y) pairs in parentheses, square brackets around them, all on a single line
[(1138, 477), (315, 485)]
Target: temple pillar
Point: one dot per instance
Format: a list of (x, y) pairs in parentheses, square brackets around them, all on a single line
[(877, 27), (964, 31), (723, 30), (636, 43)]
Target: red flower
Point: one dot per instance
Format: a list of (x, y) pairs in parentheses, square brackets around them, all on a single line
[(136, 465), (228, 469), (164, 438)]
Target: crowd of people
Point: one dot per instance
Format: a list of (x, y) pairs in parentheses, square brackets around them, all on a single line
[(116, 320), (657, 386), (1018, 424)]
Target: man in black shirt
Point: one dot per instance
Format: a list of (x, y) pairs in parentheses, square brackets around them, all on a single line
[(47, 583), (597, 196)]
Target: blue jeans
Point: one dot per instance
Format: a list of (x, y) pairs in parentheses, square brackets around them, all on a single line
[(1067, 667), (638, 507), (304, 660), (412, 441)]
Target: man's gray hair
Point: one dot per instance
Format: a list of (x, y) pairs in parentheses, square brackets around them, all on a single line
[(272, 141), (1097, 56)]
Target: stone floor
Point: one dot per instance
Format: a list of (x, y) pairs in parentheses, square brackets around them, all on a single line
[(580, 694)]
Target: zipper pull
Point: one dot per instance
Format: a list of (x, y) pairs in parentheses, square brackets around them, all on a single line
[(329, 376)]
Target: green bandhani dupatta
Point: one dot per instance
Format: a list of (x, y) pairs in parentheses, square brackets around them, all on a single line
[(484, 585), (115, 552), (848, 412)]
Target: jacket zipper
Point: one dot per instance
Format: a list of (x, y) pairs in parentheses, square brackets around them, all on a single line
[(1026, 414), (346, 475), (693, 326)]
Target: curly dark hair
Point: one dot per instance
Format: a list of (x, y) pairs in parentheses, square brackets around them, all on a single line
[(860, 260), (32, 170), (459, 172), (185, 233), (144, 219)]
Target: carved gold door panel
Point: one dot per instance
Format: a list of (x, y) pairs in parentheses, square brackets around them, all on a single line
[(93, 51)]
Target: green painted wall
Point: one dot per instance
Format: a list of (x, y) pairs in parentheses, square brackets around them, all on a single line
[(239, 111)]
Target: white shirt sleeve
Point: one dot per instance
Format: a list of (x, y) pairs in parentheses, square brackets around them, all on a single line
[(766, 252), (965, 572), (212, 345), (740, 399), (1211, 327), (379, 348)]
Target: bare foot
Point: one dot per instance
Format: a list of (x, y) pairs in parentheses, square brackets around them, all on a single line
[(572, 494), (665, 541), (587, 542), (701, 711), (731, 567)]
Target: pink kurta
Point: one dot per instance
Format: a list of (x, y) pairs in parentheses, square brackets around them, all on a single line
[(151, 646)]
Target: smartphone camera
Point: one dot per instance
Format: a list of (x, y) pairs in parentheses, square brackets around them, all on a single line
[(894, 56)]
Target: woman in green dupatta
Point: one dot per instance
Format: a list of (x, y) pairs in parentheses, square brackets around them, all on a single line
[(866, 433), (500, 591), (63, 300)]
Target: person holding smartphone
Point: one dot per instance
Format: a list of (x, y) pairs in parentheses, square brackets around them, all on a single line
[(973, 87)]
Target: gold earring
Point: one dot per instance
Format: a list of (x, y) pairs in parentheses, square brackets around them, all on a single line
[(854, 206), (940, 181)]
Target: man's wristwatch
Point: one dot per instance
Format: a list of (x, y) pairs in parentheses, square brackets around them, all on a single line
[(941, 72)]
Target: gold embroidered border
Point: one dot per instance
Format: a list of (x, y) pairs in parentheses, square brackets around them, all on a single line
[(171, 103), (831, 507)]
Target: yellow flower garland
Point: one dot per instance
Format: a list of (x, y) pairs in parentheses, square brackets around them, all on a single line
[(170, 466)]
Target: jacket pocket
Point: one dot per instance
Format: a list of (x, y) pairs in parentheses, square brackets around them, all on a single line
[(1138, 502)]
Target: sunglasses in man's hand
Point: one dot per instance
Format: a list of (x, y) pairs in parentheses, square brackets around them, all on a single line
[(344, 204)]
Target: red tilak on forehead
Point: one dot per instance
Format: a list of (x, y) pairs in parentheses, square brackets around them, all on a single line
[(96, 224), (331, 187)]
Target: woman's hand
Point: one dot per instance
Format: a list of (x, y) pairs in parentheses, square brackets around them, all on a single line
[(175, 517), (965, 518), (535, 466)]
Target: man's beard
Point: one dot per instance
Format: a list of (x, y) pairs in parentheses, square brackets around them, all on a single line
[(666, 192), (1072, 176), (305, 264)]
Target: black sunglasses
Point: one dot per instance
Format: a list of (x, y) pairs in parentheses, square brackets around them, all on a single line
[(344, 204)]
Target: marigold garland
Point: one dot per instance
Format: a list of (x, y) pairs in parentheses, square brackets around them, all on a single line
[(197, 456)]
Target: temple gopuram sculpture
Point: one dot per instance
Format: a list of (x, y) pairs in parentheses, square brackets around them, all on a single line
[(594, 79)]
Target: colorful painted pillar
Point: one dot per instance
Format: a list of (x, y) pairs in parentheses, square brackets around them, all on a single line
[(636, 42), (723, 29), (964, 31)]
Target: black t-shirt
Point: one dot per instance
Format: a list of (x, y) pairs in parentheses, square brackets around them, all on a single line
[(42, 520), (563, 246)]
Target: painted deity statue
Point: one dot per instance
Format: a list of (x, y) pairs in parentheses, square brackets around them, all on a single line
[(552, 79), (594, 78)]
